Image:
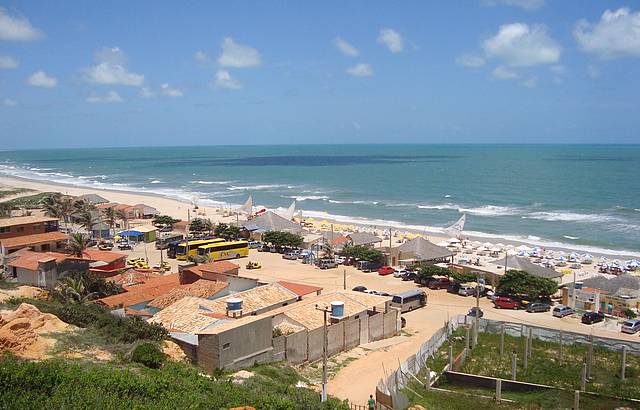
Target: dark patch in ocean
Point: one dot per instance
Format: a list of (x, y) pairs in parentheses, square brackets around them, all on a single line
[(591, 159), (314, 160)]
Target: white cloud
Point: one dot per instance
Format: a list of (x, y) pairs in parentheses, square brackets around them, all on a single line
[(109, 97), (345, 48), (523, 4), (224, 80), (111, 69), (7, 62), (238, 55), (170, 91), (469, 60), (391, 39), (593, 72), (17, 28), (520, 45), (41, 79), (530, 82), (201, 56), (146, 92), (617, 34), (360, 70), (558, 69), (7, 102), (503, 73)]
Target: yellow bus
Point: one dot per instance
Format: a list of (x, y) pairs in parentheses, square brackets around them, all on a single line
[(225, 250), (190, 248)]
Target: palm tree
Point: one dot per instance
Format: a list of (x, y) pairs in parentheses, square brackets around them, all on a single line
[(86, 219), (109, 216), (73, 290), (122, 215), (51, 205), (77, 244), (65, 205)]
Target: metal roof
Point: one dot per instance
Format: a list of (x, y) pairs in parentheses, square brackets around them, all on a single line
[(424, 250)]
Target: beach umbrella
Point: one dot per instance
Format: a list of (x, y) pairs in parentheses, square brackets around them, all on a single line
[(443, 243), (500, 245), (524, 248), (453, 240), (509, 246)]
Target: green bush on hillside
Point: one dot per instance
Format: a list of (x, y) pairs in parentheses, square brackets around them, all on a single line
[(148, 354)]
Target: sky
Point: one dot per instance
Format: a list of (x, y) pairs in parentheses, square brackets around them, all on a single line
[(147, 73)]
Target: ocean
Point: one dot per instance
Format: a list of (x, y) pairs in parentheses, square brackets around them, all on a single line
[(584, 197)]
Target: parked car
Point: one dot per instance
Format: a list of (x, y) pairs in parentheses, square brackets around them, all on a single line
[(290, 256), (359, 288), (562, 311), (340, 260), (538, 307), (454, 287), (254, 245), (630, 326), (385, 270), (504, 302), (475, 312), (91, 243), (105, 245), (399, 273), (590, 318), (124, 246), (439, 283), (367, 266), (466, 290), (409, 276), (327, 263)]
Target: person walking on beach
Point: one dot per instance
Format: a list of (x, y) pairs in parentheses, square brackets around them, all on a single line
[(371, 403)]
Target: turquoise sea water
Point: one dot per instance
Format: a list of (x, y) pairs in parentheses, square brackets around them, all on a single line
[(581, 196)]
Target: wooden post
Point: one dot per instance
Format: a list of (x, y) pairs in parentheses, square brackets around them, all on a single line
[(526, 352), (502, 340), (560, 346), (428, 379), (530, 339), (576, 400), (514, 361), (583, 381), (590, 356), (467, 337), (624, 362), (450, 358), (499, 390), (521, 330)]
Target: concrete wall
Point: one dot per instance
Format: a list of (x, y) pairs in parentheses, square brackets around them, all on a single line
[(335, 338), (364, 328), (314, 344), (296, 347), (278, 352), (26, 276), (375, 327), (351, 334), (390, 323)]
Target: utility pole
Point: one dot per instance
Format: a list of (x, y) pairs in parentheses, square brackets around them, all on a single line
[(344, 279), (573, 291), (476, 322), (323, 396)]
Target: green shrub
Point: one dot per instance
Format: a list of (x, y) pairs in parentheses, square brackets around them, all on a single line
[(92, 316), (148, 354)]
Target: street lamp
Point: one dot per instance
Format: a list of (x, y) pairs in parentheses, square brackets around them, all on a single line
[(324, 310)]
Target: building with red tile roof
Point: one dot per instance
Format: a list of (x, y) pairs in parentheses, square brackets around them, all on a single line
[(48, 241), (210, 271), (42, 268), (300, 289)]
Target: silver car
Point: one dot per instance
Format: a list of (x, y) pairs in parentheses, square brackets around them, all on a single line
[(562, 311), (630, 326)]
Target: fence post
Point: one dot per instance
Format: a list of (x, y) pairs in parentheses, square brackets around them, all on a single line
[(624, 362), (560, 346), (590, 357), (583, 381), (466, 338), (521, 330), (514, 361), (499, 390), (530, 341), (526, 352), (450, 358), (428, 385), (502, 340), (576, 400)]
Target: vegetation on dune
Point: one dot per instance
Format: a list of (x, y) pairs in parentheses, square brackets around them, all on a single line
[(5, 192), (97, 319), (148, 354), (82, 287), (63, 384), (29, 201)]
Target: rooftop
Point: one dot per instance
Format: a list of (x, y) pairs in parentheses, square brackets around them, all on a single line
[(27, 259), (299, 288), (423, 249), (524, 264), (143, 292), (103, 256), (213, 267), (93, 198), (200, 288), (132, 277), (363, 238), (188, 315), (22, 220), (626, 283), (258, 298), (36, 239)]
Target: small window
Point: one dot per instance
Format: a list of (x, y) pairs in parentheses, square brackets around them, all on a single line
[(5, 229), (226, 346), (36, 227), (356, 317), (21, 229)]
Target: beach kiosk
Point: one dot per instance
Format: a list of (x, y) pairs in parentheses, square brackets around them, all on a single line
[(140, 234)]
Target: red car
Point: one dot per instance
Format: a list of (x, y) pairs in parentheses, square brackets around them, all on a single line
[(440, 283), (503, 302), (385, 270)]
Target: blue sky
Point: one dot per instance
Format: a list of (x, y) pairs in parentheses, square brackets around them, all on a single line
[(123, 73)]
